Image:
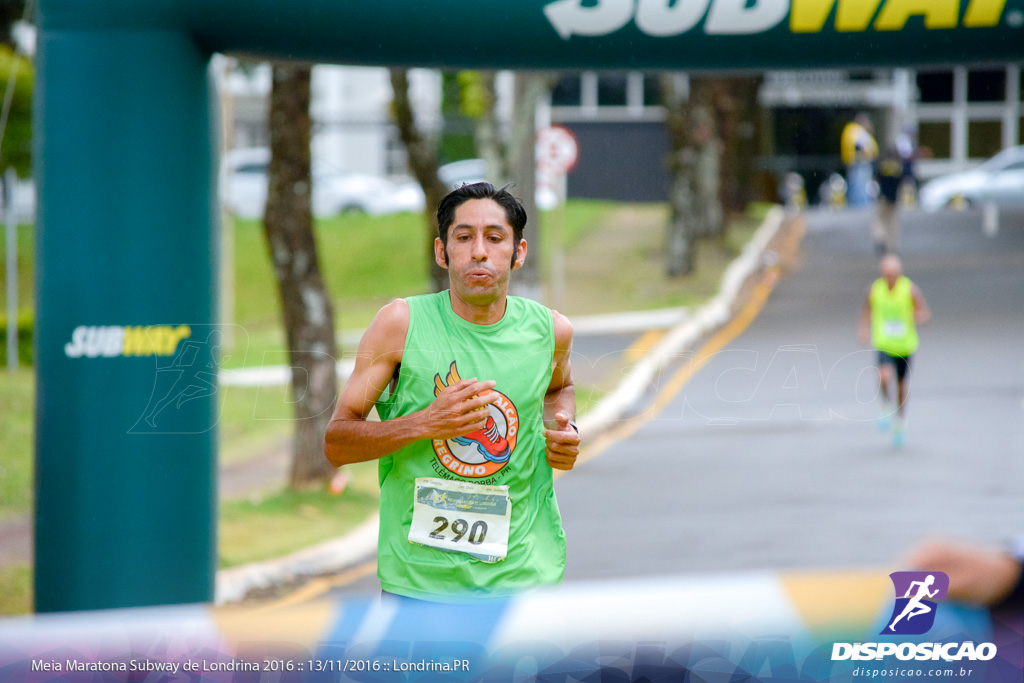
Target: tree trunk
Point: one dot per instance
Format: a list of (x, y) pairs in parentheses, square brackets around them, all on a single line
[(306, 305), (740, 129), (487, 133), (708, 149), (736, 114), (681, 162), (423, 162), (708, 180), (522, 151)]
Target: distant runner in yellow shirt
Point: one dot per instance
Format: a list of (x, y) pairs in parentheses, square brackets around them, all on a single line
[(893, 310), (858, 149)]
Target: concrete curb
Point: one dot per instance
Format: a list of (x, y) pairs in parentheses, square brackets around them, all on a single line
[(341, 553), (709, 316), (325, 558)]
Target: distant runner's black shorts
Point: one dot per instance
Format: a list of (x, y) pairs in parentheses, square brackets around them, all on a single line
[(902, 363)]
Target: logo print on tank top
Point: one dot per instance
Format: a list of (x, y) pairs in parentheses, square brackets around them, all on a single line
[(485, 451)]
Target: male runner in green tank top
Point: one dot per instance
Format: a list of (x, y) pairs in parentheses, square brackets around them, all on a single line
[(893, 310), (475, 394)]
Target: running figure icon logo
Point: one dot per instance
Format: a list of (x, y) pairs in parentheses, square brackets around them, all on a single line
[(485, 451), (916, 596)]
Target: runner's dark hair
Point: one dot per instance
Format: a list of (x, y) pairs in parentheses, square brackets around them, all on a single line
[(515, 214)]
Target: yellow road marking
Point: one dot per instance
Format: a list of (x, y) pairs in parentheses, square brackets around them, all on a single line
[(642, 345), (304, 624), (836, 602), (320, 586)]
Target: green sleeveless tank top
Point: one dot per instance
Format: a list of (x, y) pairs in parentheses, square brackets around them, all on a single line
[(517, 353), (892, 317)]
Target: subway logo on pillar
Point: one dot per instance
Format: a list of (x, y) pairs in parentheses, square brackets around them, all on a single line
[(663, 18), (109, 341)]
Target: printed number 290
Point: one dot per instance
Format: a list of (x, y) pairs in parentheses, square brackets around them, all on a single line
[(477, 533)]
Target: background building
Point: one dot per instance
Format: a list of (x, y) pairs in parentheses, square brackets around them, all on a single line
[(960, 116)]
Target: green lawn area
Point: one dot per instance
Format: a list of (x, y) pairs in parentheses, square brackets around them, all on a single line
[(251, 420), (15, 589), (366, 261), (17, 393), (26, 246)]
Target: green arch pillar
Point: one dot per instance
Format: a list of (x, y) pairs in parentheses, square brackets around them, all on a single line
[(126, 239)]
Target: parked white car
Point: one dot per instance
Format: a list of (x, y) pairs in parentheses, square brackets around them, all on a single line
[(999, 181), (244, 188), (475, 170), (24, 202)]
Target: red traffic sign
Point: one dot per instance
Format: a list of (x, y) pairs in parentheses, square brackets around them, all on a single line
[(557, 149)]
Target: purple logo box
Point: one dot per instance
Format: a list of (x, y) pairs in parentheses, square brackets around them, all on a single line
[(917, 595)]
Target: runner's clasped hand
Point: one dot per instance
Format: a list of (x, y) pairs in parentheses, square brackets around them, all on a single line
[(460, 409), (562, 444)]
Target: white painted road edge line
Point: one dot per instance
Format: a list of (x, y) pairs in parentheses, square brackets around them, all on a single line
[(709, 316), (629, 321), (273, 375)]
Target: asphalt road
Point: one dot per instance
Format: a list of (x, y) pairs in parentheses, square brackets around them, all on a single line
[(770, 458)]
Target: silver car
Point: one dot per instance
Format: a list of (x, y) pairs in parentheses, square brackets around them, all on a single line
[(999, 181)]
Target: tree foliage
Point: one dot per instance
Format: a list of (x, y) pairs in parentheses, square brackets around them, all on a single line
[(11, 11), (16, 149), (423, 161), (712, 132)]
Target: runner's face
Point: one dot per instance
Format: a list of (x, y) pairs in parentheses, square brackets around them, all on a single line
[(891, 269), (480, 248)]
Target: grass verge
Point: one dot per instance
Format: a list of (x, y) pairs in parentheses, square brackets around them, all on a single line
[(15, 589), (261, 528), (621, 265), (17, 398), (251, 420)]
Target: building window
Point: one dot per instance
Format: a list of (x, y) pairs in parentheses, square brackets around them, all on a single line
[(652, 90), (984, 139), (986, 86), (396, 161), (935, 86), (612, 90), (935, 137), (608, 96), (566, 92)]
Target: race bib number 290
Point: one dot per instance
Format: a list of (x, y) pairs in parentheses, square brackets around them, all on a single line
[(462, 517)]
